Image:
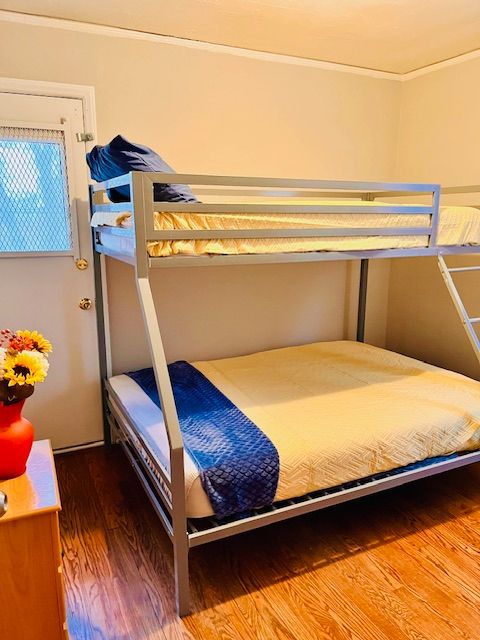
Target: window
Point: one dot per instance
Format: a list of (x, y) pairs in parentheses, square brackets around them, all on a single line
[(34, 202)]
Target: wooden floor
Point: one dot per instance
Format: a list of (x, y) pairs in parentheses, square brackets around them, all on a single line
[(398, 565)]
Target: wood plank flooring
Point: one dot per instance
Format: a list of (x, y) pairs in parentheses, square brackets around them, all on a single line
[(399, 565)]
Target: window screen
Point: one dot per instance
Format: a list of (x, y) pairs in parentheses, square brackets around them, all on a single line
[(34, 202)]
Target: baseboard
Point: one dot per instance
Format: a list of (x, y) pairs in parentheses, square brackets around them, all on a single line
[(79, 447)]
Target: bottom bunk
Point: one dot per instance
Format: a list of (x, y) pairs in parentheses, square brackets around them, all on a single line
[(310, 425)]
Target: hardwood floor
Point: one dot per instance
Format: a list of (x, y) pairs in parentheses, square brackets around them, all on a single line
[(399, 565)]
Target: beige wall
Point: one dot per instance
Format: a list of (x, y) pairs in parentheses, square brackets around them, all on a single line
[(439, 140), (439, 136), (217, 113)]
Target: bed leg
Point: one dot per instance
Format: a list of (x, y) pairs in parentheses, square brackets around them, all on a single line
[(362, 300), (182, 582)]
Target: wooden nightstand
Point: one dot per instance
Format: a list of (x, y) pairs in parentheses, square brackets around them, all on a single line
[(31, 581)]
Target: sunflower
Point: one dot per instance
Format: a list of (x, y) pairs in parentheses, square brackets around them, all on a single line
[(26, 367), (32, 340)]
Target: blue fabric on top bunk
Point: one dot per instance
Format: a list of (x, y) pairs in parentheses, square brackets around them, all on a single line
[(237, 463), (120, 156)]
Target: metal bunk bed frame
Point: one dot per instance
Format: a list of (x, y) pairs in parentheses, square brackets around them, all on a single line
[(164, 481)]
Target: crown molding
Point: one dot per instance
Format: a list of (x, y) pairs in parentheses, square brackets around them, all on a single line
[(117, 32), (131, 34), (437, 66)]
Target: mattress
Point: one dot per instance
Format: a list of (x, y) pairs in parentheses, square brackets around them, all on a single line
[(457, 226), (335, 411)]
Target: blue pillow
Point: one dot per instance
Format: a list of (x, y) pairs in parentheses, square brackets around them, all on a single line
[(121, 156)]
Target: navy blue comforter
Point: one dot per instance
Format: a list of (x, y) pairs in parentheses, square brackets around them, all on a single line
[(237, 463)]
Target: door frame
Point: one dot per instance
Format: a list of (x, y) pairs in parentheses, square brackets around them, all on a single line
[(85, 93)]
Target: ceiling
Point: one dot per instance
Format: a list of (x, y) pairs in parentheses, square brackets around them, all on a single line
[(389, 35)]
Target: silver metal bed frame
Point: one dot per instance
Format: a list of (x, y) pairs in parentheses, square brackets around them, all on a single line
[(165, 483)]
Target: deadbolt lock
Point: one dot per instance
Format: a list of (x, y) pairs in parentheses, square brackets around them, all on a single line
[(81, 264), (85, 304)]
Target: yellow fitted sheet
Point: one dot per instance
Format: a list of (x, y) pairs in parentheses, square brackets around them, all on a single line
[(457, 226), (340, 411)]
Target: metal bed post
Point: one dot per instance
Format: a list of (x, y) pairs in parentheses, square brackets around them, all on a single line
[(101, 329), (362, 299), (363, 286), (435, 215), (141, 194)]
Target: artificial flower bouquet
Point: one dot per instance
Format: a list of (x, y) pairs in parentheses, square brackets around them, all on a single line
[(23, 362)]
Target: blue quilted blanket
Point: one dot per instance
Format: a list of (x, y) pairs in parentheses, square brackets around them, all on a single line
[(237, 463)]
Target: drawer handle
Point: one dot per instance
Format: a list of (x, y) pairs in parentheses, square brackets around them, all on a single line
[(3, 503)]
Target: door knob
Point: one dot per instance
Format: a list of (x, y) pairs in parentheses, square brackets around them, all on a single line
[(85, 304)]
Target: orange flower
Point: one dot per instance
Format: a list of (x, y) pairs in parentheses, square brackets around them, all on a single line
[(35, 341), (21, 343)]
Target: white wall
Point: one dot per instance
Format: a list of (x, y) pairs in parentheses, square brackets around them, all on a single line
[(439, 140), (218, 113)]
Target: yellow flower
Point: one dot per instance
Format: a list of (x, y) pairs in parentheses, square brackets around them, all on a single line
[(26, 367), (39, 342)]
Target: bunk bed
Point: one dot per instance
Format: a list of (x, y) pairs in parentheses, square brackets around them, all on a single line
[(421, 420)]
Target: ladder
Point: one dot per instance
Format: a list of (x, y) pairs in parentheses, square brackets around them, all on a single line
[(467, 322)]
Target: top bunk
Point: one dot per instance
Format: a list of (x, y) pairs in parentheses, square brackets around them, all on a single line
[(243, 220)]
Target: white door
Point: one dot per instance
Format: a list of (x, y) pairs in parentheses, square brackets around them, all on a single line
[(44, 228)]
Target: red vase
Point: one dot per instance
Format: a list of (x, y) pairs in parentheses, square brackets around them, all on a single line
[(16, 438)]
